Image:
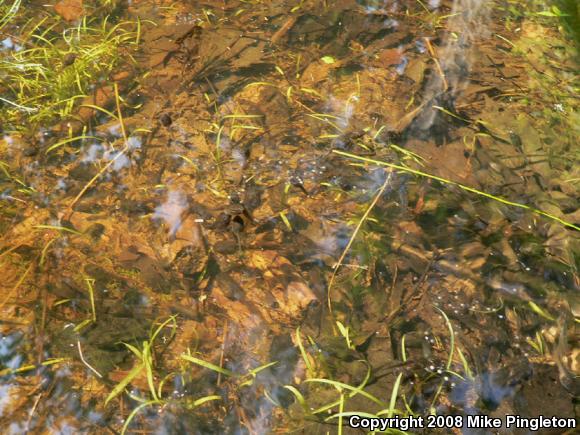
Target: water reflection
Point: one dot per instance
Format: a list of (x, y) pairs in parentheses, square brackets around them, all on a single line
[(171, 210)]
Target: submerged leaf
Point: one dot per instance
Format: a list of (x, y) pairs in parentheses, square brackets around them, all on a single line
[(70, 10)]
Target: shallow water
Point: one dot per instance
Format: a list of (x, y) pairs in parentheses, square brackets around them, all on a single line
[(375, 196)]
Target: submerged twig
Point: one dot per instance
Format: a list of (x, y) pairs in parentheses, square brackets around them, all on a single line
[(353, 237), (285, 28), (32, 411), (225, 336), (94, 370), (437, 64)]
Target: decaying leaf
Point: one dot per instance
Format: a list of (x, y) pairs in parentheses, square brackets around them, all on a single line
[(70, 10)]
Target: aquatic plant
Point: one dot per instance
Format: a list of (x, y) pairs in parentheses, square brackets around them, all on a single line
[(49, 67)]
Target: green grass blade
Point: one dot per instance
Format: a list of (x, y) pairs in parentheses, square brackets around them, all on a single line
[(134, 413), (299, 397), (309, 368), (208, 365), (69, 140), (358, 390), (133, 349), (350, 395), (461, 186), (466, 367), (451, 338), (123, 384), (101, 109), (340, 411), (148, 364), (205, 399), (539, 310), (262, 367), (163, 325), (394, 395)]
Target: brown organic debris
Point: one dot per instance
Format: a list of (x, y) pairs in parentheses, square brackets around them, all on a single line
[(70, 10)]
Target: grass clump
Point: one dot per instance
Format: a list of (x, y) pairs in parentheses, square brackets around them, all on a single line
[(159, 391), (327, 401), (47, 66)]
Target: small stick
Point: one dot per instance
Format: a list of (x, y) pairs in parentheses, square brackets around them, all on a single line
[(85, 362), (406, 120), (43, 293), (284, 29), (395, 276), (219, 379), (353, 237), (32, 411), (437, 64)]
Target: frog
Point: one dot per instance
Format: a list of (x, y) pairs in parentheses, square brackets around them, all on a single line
[(236, 217)]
